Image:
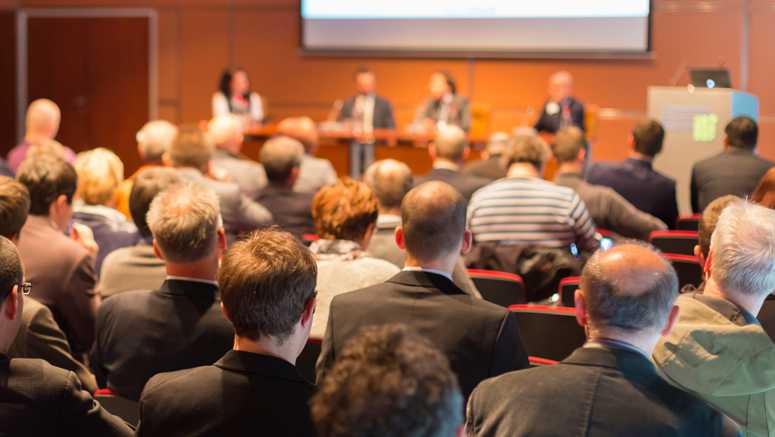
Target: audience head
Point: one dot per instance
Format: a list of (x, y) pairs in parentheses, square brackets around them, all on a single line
[(154, 139), (647, 138), (708, 223), (11, 295), (568, 144), (52, 183), (226, 132), (46, 147), (528, 149), (441, 84), (191, 148), (347, 210), (43, 117), (389, 381), (281, 158), (497, 144), (365, 81), (146, 186), (390, 180), (302, 129), (235, 83), (450, 144), (267, 285), (764, 194), (627, 293), (560, 86), (14, 207), (742, 132), (100, 172)]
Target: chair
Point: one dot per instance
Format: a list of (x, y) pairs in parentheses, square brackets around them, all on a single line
[(548, 333), (767, 316), (122, 407), (688, 222), (688, 269), (678, 242), (567, 290), (500, 288), (308, 358)]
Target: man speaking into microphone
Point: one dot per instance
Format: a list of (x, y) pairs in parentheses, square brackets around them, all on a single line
[(562, 109)]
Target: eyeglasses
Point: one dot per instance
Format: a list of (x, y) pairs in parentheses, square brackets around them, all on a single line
[(26, 288)]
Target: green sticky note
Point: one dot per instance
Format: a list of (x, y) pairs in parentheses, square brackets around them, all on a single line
[(704, 128)]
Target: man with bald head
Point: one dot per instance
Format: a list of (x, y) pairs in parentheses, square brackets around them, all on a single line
[(561, 109), (314, 173), (226, 134), (42, 125), (480, 339), (608, 387), (492, 166)]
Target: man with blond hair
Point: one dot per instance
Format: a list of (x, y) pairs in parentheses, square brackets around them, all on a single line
[(42, 125), (226, 134)]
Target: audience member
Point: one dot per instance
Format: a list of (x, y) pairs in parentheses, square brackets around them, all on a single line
[(527, 210), (448, 151), (389, 381), (234, 96), (479, 338), (315, 173), (635, 178), (736, 171), (61, 267), (561, 109), (445, 106), (366, 109), (268, 288), (764, 194), (42, 125), (708, 223), (137, 267), (292, 211), (608, 387), (38, 398), (717, 349), (491, 166), (180, 325), (226, 133), (345, 216), (607, 208)]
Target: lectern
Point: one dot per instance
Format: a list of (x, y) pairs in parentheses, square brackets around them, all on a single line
[(694, 121)]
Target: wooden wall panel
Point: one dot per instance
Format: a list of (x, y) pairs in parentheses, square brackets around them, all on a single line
[(7, 78)]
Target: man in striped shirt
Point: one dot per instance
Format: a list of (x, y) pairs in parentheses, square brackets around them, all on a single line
[(527, 210)]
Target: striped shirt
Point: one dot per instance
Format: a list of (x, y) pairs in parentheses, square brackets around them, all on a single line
[(531, 212)]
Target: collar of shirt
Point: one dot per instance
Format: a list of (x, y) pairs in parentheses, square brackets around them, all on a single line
[(420, 269), (386, 221), (184, 278), (609, 343)]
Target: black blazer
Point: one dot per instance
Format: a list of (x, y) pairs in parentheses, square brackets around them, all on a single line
[(463, 183), (383, 112), (734, 171), (142, 333), (292, 211), (480, 339), (243, 394), (593, 393), (458, 114), (551, 122), (38, 399)]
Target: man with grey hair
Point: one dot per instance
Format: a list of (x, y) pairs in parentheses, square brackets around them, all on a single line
[(491, 166), (180, 325), (718, 350), (315, 173), (449, 151), (608, 387), (226, 133)]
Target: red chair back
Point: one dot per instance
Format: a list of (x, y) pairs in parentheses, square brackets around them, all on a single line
[(567, 290), (549, 333), (688, 269), (500, 288), (678, 242), (688, 222)]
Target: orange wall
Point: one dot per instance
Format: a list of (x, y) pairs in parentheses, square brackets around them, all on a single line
[(197, 38)]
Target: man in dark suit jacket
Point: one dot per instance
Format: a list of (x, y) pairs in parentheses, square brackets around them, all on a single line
[(636, 180), (142, 333), (366, 108), (736, 171), (37, 398), (448, 152), (609, 387), (562, 109), (480, 339), (492, 166), (268, 288)]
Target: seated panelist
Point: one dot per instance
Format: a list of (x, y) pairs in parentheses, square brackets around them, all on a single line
[(562, 109), (445, 106), (366, 110), (234, 96)]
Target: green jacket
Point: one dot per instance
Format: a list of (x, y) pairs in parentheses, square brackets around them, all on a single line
[(714, 353)]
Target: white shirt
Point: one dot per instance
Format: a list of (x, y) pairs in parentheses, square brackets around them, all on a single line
[(221, 106), (364, 107)]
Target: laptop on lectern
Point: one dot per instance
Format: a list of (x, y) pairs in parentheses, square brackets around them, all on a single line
[(710, 77)]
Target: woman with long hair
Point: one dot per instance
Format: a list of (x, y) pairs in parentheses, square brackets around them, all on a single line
[(235, 97)]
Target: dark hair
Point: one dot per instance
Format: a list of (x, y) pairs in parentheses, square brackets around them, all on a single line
[(265, 282), (742, 132), (433, 218), (145, 187), (11, 271), (224, 85), (14, 207), (709, 221), (362, 70), (451, 83), (388, 381), (345, 210), (648, 136), (46, 178)]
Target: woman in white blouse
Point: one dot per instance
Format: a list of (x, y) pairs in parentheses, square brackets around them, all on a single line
[(234, 97)]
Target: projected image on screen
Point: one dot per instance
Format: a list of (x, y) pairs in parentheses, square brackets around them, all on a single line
[(543, 26)]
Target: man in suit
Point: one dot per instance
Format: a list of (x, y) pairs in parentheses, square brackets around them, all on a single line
[(37, 398), (635, 178), (608, 387), (736, 171), (562, 109), (492, 166), (138, 267), (480, 339), (180, 325), (268, 288), (366, 109), (226, 133), (292, 211), (61, 267), (445, 106), (191, 154), (314, 173), (448, 152)]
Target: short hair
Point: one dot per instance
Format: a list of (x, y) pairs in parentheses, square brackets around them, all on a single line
[(184, 221), (100, 172), (191, 148), (362, 70), (498, 143), (528, 149), (345, 210), (743, 249), (14, 207), (633, 295), (648, 137), (224, 128), (764, 194), (450, 143), (279, 156), (155, 138), (11, 270), (265, 283), (302, 129), (390, 180), (433, 219), (568, 143), (709, 220), (145, 187), (46, 178), (388, 381), (742, 132)]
